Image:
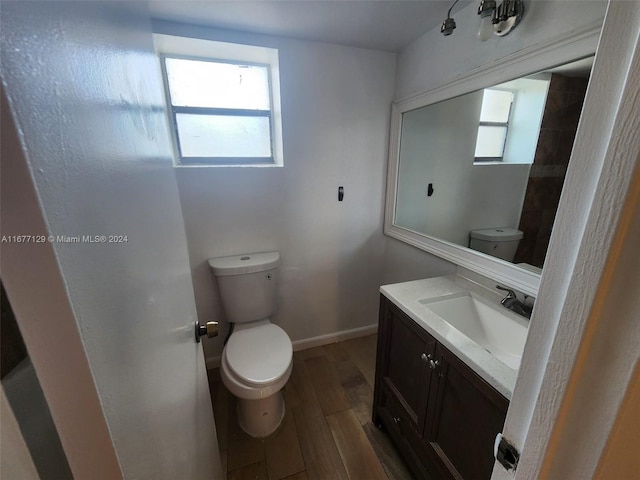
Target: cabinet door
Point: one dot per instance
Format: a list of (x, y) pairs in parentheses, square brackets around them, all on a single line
[(403, 369), (464, 416)]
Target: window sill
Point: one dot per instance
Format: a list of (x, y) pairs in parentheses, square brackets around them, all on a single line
[(247, 165)]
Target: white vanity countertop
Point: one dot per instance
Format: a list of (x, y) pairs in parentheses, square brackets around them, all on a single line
[(407, 296)]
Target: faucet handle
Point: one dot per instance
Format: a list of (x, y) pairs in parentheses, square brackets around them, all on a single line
[(510, 293)]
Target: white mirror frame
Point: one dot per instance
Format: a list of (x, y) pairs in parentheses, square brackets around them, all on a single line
[(576, 45)]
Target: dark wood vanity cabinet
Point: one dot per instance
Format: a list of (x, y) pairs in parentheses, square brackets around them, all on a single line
[(442, 416)]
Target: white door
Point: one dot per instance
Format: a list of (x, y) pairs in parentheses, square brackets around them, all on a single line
[(94, 254)]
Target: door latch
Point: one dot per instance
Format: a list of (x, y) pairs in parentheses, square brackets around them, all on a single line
[(210, 330), (506, 454)]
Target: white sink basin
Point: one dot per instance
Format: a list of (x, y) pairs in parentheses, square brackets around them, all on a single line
[(501, 333)]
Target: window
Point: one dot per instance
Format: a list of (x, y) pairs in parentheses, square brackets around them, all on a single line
[(494, 125), (223, 108)]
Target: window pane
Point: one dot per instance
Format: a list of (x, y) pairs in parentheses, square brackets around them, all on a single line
[(224, 136), (194, 83), (490, 141), (496, 105)]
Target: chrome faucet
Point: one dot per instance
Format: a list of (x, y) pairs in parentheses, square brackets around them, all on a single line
[(512, 303)]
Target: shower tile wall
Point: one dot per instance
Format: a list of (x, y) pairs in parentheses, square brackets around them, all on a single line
[(558, 130)]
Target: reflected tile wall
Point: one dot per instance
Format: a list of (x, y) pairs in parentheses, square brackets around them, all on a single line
[(557, 133)]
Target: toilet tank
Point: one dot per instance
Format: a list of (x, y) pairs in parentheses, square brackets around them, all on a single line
[(497, 242), (247, 285)]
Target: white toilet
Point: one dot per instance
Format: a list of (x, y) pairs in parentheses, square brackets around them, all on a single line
[(497, 242), (258, 356)]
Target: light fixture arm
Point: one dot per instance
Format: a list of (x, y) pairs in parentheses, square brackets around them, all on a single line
[(496, 19), (449, 24), (451, 8)]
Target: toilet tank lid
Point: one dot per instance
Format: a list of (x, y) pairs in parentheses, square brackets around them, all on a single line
[(497, 234), (242, 264)]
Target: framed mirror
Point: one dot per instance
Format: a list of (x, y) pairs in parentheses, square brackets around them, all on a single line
[(476, 178)]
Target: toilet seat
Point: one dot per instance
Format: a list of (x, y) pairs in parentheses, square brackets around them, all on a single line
[(260, 355)]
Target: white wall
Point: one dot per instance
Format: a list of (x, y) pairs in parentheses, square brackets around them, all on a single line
[(335, 115), (433, 61), (526, 118)]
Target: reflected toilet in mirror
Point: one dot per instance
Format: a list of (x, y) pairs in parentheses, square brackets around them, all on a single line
[(497, 242)]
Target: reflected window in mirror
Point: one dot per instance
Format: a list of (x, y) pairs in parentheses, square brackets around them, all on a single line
[(510, 120), (494, 124)]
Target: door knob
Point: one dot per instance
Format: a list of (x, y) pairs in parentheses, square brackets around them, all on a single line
[(210, 330)]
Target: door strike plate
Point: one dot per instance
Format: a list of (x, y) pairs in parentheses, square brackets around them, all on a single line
[(506, 453)]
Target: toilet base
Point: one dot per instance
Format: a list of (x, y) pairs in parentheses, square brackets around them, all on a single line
[(261, 417)]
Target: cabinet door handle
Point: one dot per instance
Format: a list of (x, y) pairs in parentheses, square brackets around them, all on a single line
[(433, 364), (396, 420)]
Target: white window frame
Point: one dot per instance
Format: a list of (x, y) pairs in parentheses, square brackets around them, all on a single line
[(207, 50), (500, 159)]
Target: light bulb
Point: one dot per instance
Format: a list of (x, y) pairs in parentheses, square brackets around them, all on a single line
[(486, 28)]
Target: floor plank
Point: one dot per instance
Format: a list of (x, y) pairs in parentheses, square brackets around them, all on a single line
[(319, 451), (358, 391), (303, 393), (338, 352), (255, 471), (282, 450), (223, 461), (363, 353), (329, 392), (358, 456), (298, 476), (311, 352), (356, 387)]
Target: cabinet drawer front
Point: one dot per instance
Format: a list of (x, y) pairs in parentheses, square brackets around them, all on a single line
[(399, 425)]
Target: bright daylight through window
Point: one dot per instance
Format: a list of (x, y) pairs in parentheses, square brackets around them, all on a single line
[(224, 108), (494, 124)]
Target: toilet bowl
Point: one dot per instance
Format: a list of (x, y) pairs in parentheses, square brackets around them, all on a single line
[(256, 365), (258, 357)]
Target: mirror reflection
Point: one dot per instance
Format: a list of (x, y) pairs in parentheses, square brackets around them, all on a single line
[(485, 170)]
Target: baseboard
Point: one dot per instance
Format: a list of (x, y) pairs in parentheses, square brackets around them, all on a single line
[(214, 362), (334, 337)]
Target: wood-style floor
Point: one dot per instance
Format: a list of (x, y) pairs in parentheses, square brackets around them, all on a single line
[(327, 431)]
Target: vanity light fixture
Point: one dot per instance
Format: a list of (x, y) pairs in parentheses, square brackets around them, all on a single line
[(494, 19), (499, 19), (449, 24), (485, 10)]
